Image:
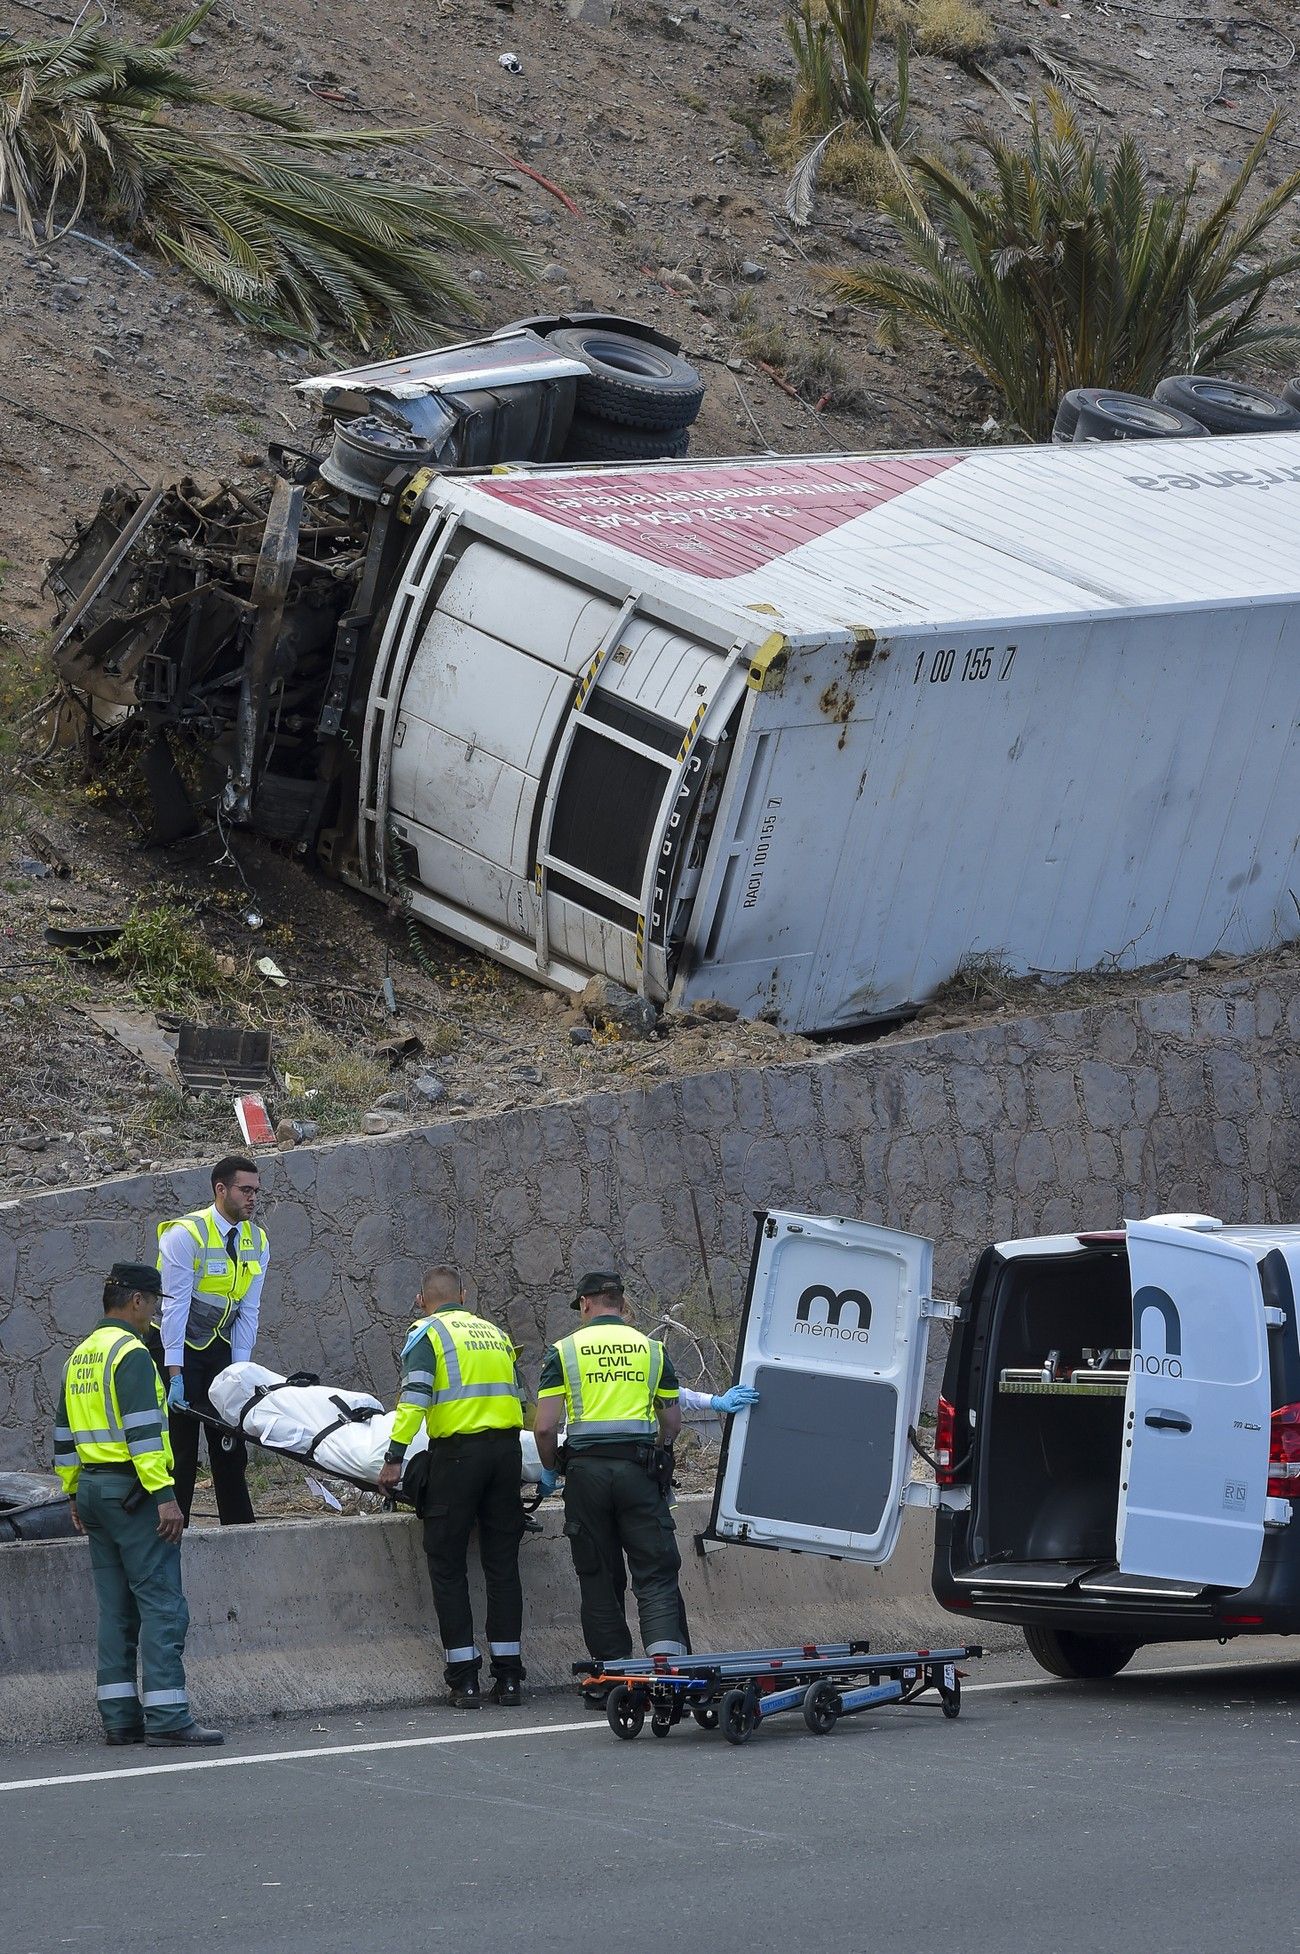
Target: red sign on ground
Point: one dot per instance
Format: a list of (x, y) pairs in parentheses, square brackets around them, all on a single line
[(719, 521)]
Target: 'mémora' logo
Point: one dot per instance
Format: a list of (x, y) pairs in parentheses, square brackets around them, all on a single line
[(836, 1301), (1166, 1363)]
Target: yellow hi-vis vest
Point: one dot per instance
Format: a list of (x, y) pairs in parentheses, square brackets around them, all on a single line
[(220, 1285), (97, 1429), (611, 1375), (472, 1386)]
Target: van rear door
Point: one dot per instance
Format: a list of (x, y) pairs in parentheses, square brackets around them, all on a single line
[(1194, 1476), (833, 1340)]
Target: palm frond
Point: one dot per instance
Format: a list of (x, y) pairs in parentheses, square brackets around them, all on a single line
[(256, 212), (1068, 268)]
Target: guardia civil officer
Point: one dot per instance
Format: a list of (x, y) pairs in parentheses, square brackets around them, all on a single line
[(459, 1381), (213, 1266), (617, 1391), (112, 1452)]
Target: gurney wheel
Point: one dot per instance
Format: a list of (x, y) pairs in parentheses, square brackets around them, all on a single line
[(707, 1717), (738, 1716), (660, 1723), (950, 1701), (625, 1711), (821, 1707)]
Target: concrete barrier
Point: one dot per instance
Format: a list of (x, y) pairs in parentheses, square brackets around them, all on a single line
[(294, 1616)]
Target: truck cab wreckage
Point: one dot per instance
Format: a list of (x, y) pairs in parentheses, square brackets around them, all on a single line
[(800, 733)]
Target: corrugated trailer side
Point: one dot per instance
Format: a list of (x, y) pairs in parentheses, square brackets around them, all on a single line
[(1056, 795)]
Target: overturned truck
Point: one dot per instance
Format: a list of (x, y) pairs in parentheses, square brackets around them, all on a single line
[(802, 733)]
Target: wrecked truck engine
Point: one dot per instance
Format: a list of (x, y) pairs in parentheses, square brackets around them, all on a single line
[(230, 634)]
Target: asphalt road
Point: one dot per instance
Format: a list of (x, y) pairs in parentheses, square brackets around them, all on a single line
[(1151, 1813)]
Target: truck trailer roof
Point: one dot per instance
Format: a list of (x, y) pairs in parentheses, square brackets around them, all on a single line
[(887, 541)]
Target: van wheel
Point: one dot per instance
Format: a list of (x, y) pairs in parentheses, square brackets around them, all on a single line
[(1079, 1658), (629, 380)]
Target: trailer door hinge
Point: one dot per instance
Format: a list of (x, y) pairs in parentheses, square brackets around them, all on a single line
[(940, 1312), (924, 1492), (1275, 1318)]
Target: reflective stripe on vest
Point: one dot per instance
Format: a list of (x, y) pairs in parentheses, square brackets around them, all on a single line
[(96, 1432), (220, 1285), (479, 1391), (601, 1397)]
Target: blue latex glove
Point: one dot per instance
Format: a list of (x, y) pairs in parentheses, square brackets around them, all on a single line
[(176, 1394), (548, 1480), (738, 1398)]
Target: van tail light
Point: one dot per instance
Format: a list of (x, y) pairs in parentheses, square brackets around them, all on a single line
[(945, 1445), (1284, 1453)]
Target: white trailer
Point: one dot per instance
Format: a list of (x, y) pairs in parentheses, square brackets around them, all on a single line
[(805, 733)]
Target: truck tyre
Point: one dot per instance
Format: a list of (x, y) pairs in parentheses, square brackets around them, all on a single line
[(630, 381), (592, 439), (1228, 406), (1108, 416), (1079, 1658), (1291, 393), (34, 1506), (1067, 417)]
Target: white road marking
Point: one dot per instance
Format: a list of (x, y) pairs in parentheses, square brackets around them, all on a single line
[(294, 1756), (589, 1723)]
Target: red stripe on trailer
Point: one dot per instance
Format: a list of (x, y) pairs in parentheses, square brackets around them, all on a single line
[(719, 522)]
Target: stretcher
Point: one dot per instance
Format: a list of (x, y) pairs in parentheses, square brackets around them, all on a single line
[(737, 1690), (343, 1434)]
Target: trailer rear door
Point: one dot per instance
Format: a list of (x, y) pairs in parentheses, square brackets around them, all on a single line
[(834, 1342), (1196, 1419)]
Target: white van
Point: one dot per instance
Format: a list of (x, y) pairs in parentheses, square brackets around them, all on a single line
[(1118, 1444), (804, 733)]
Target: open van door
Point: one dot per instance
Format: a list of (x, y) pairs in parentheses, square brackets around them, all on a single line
[(1194, 1477), (833, 1339)]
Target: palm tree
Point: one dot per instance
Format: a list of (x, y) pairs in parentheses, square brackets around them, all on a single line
[(1072, 270), (291, 245)]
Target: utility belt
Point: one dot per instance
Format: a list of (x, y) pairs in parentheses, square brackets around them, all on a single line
[(468, 1438), (125, 1466), (655, 1460)]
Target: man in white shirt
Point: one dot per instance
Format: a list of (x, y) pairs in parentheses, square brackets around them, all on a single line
[(213, 1265)]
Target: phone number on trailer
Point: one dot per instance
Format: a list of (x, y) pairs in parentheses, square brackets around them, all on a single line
[(980, 662)]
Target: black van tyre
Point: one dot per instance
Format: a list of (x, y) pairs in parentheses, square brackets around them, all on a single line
[(625, 1711), (1105, 415), (1067, 416), (630, 380), (1079, 1658), (592, 438), (1291, 393), (1229, 406)]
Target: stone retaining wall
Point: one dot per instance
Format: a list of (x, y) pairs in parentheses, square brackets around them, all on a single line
[(1182, 1099)]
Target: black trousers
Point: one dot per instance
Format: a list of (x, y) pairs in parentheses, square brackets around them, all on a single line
[(613, 1509), (228, 1457), (474, 1481)]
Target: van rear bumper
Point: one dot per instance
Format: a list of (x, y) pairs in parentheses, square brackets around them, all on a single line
[(1269, 1606)]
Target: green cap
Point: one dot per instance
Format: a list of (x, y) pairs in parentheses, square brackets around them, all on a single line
[(599, 1282), (137, 1275)]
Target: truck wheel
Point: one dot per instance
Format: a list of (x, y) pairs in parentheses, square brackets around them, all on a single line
[(1291, 393), (594, 439), (1079, 1658), (625, 1711), (1067, 417), (1229, 406), (1108, 416), (629, 380)]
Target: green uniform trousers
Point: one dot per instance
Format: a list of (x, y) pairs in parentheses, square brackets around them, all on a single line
[(141, 1606), (613, 1508)]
